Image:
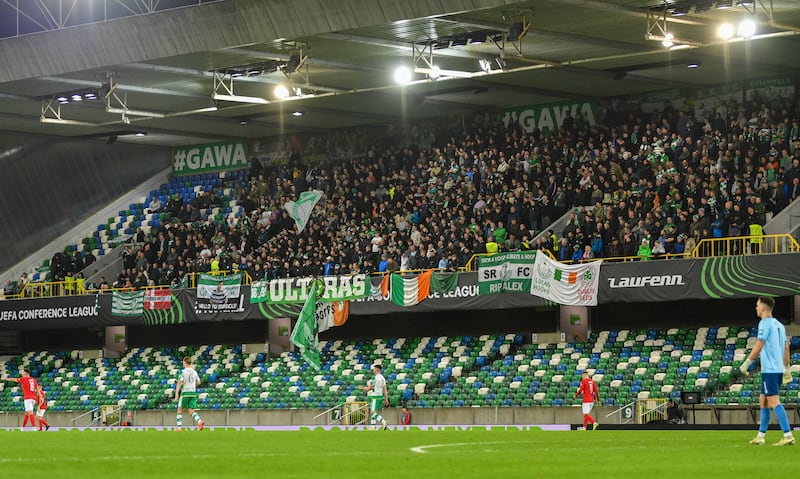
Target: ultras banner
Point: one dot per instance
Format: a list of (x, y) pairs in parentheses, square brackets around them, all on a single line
[(708, 278)]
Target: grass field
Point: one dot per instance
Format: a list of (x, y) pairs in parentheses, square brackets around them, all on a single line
[(392, 454)]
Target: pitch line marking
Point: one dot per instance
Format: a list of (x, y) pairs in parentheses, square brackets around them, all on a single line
[(424, 449)]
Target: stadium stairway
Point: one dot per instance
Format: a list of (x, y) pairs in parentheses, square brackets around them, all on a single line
[(121, 227)]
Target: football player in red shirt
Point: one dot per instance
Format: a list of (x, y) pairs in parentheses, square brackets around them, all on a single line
[(42, 410), (588, 389), (30, 396)]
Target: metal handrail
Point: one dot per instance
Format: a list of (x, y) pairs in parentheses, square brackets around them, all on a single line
[(91, 411), (619, 410), (74, 288), (344, 416), (768, 244), (328, 411)]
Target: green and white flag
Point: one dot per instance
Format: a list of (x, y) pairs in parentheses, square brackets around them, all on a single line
[(505, 273), (127, 304), (220, 293), (569, 284), (301, 209), (305, 335)]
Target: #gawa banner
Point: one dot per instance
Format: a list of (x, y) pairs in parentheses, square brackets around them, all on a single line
[(209, 157), (568, 284), (550, 116)]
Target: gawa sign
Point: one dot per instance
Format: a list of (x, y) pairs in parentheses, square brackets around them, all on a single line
[(550, 116), (193, 159)]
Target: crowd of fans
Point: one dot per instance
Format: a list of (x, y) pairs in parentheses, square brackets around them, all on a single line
[(635, 184)]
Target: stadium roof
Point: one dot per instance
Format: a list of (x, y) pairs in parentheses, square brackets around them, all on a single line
[(162, 62)]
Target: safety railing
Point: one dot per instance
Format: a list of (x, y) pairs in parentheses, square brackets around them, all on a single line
[(347, 413), (472, 264), (74, 288), (709, 247), (738, 245)]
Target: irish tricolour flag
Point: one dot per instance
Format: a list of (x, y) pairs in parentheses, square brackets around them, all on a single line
[(412, 290), (565, 276)]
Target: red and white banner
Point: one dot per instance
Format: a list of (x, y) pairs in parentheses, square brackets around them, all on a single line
[(158, 298)]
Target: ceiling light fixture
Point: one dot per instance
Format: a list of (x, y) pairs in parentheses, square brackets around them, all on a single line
[(435, 73), (281, 92), (667, 41), (725, 31), (239, 99), (402, 75), (693, 65), (297, 113), (126, 111), (747, 28)]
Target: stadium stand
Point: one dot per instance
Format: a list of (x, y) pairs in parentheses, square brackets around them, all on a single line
[(656, 184), (465, 371)]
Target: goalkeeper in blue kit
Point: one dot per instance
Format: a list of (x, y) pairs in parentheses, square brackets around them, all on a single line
[(772, 349)]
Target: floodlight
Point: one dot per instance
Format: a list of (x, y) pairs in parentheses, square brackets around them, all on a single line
[(402, 76), (281, 92), (747, 28), (725, 31)]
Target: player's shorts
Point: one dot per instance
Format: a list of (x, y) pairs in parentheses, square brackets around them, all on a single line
[(771, 383), (586, 407), (40, 412), (30, 405), (375, 402), (188, 402)]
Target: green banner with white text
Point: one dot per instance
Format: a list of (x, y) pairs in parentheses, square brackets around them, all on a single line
[(506, 273), (550, 117), (209, 157)]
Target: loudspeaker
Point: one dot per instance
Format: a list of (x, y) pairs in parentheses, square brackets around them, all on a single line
[(691, 397)]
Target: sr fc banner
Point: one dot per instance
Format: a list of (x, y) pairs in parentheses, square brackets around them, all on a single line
[(505, 273), (573, 284), (193, 159)]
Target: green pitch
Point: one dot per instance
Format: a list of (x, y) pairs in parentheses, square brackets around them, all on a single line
[(392, 454)]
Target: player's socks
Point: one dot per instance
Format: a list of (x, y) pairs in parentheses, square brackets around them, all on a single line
[(783, 419), (765, 415), (179, 419), (25, 421), (196, 417), (42, 422), (585, 420)]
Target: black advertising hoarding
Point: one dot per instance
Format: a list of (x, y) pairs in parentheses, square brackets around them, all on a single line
[(181, 307), (633, 282), (708, 278)]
